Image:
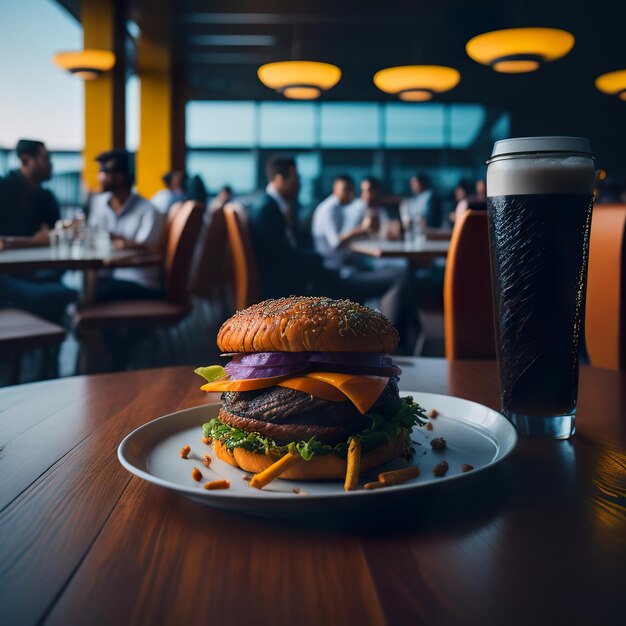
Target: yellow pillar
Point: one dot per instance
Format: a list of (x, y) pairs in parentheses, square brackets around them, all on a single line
[(154, 156), (103, 28)]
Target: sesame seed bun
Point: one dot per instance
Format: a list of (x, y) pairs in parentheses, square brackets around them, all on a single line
[(307, 324)]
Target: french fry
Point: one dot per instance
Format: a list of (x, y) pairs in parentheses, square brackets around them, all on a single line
[(265, 477), (398, 476), (374, 485), (353, 466), (217, 484)]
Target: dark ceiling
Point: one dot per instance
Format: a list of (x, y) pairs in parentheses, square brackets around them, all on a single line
[(362, 37)]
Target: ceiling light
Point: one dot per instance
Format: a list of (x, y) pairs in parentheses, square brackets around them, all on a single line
[(519, 50), (416, 83), (86, 64), (613, 83), (300, 80)]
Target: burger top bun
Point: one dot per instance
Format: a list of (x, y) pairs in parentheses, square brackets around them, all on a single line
[(307, 324)]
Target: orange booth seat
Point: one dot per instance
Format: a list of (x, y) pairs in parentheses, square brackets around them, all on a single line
[(605, 320), (467, 291), (245, 270)]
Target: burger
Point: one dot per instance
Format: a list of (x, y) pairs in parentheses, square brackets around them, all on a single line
[(307, 375)]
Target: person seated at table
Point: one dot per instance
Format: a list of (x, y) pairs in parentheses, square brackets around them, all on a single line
[(174, 191), (29, 210), (286, 268), (476, 200), (340, 220), (327, 227), (370, 214), (461, 192), (133, 222), (423, 207)]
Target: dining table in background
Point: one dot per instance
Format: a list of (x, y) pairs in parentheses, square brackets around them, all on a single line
[(28, 259), (417, 253), (538, 539)]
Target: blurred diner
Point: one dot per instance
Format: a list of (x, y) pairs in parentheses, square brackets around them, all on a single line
[(133, 223), (221, 198), (28, 212), (174, 191), (287, 268), (423, 209)]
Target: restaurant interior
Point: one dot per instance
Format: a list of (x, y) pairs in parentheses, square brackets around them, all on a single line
[(167, 165)]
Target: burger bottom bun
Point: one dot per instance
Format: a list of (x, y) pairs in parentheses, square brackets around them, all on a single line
[(327, 467)]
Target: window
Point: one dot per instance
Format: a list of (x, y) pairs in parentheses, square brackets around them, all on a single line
[(220, 124), (38, 99), (237, 169), (501, 128), (350, 125), (414, 126), (466, 121), (286, 124)]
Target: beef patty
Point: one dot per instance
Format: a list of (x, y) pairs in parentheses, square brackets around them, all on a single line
[(288, 415)]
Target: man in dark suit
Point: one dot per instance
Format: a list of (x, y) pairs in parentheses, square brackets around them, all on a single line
[(285, 267), (288, 269)]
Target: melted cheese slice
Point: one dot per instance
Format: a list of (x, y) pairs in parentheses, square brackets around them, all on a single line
[(315, 388), (362, 391)]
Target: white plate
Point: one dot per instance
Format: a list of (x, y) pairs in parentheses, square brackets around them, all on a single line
[(475, 434)]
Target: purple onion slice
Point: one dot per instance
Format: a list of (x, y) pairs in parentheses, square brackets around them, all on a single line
[(240, 372), (270, 364)]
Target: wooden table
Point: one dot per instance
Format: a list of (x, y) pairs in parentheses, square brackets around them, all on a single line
[(540, 539), (417, 253), (31, 259), (45, 258)]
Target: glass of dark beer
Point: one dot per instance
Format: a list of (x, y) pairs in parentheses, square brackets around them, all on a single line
[(539, 199)]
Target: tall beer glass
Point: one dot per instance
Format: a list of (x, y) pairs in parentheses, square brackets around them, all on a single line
[(539, 199)]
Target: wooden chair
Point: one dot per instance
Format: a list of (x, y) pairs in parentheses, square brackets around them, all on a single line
[(181, 240), (605, 315), (172, 212), (246, 273), (212, 273), (212, 267), (468, 301), (20, 332)]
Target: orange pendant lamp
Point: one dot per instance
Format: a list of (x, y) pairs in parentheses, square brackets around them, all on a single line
[(613, 83), (299, 80), (519, 50), (417, 83), (86, 64)]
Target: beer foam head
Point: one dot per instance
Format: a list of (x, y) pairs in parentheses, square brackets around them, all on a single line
[(524, 175)]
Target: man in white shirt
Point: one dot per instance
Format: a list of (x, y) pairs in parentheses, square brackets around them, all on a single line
[(340, 219), (328, 226), (133, 222), (369, 212)]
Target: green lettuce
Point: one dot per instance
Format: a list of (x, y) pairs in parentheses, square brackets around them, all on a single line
[(380, 431), (211, 373)]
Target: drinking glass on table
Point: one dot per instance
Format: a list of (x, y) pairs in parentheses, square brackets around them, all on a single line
[(408, 220), (539, 200)]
